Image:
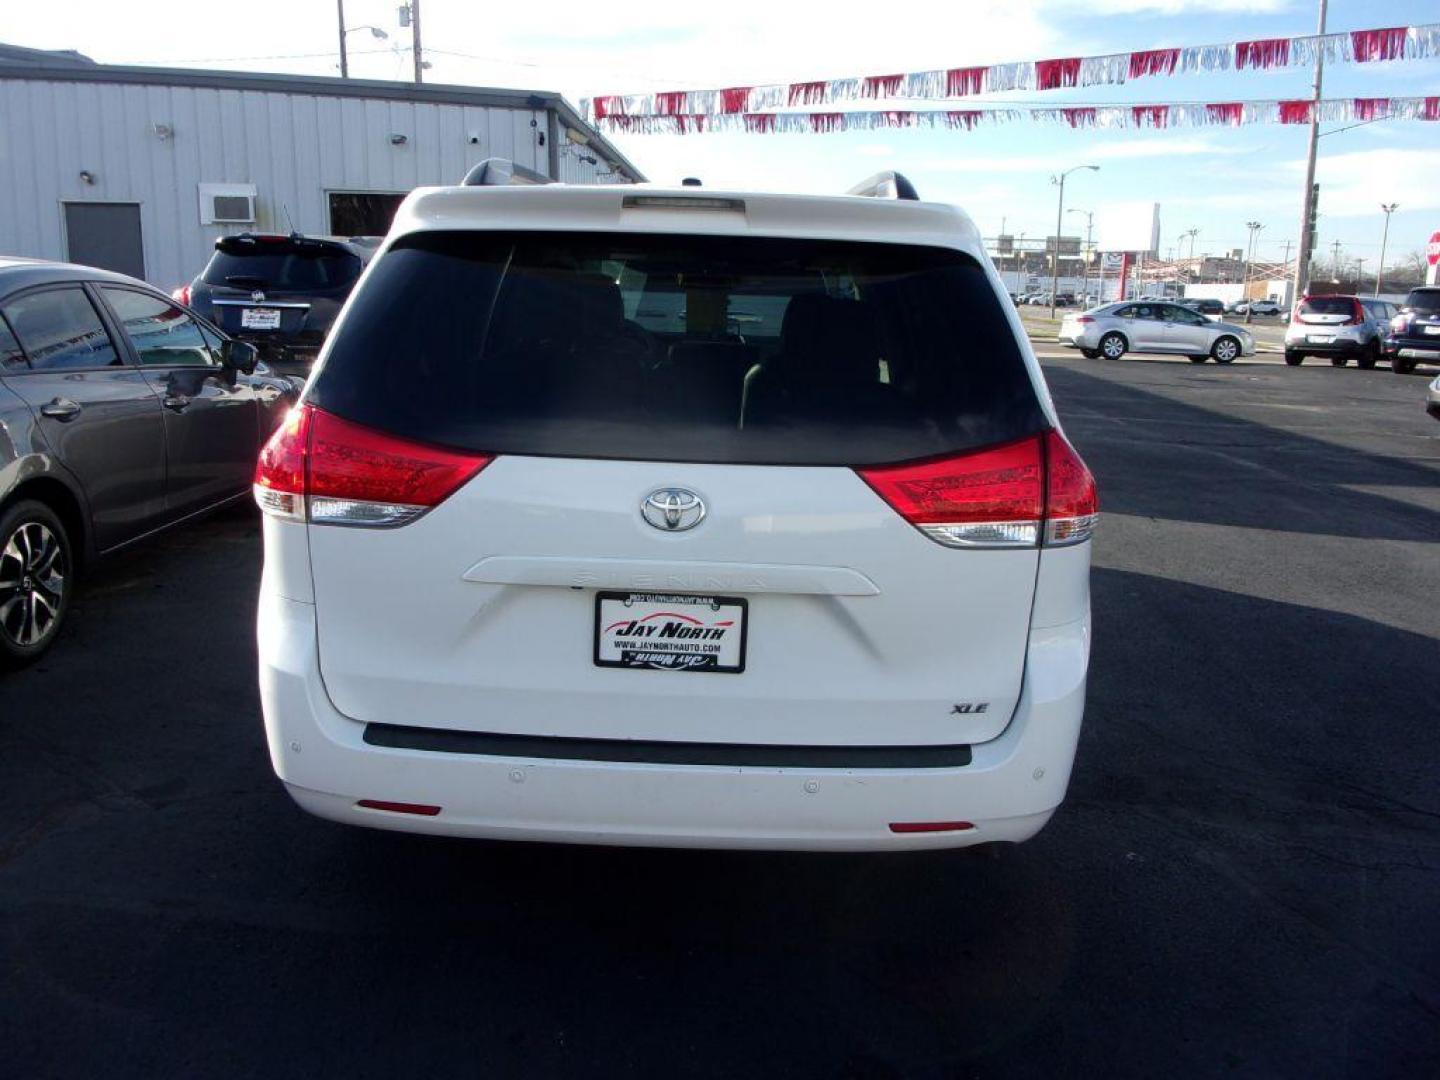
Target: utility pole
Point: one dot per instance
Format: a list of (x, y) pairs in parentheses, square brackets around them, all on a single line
[(415, 30), (1359, 274), (1254, 227), (1336, 248), (1307, 211), (340, 16), (1387, 209), (1089, 252)]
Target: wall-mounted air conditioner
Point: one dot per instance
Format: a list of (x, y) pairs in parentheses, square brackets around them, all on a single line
[(227, 204)]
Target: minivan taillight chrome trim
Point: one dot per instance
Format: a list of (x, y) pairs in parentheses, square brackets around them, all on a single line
[(320, 468), (1015, 495)]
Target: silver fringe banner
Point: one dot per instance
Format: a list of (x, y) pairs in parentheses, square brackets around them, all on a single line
[(1225, 113), (1420, 42)]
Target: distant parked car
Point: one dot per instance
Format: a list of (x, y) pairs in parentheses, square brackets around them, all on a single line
[(281, 293), (1137, 326), (1341, 327), (120, 413), (1264, 307), (1236, 307), (1413, 335)]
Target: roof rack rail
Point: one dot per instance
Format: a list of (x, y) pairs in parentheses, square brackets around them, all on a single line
[(886, 185), (501, 172)]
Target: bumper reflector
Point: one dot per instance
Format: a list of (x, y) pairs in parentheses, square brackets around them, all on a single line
[(929, 826), (399, 807)]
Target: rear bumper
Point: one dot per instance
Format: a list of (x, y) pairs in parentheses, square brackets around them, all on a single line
[(1426, 349), (1008, 791), (1338, 347)]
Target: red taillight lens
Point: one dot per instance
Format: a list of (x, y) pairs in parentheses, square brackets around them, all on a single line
[(181, 294), (996, 497), (1358, 317), (987, 498), (1084, 318), (280, 471), (346, 474), (1072, 504)]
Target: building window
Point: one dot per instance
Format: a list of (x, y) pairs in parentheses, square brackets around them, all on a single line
[(362, 213)]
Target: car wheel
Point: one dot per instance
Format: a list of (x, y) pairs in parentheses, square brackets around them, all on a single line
[(1293, 358), (1370, 357), (1225, 349), (1199, 358), (1113, 346), (1402, 365), (1090, 354), (36, 581), (1339, 360)]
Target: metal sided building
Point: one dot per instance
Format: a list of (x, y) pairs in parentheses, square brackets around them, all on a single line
[(140, 169)]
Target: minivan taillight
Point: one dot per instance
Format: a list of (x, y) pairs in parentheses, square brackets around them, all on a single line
[(1000, 496), (329, 471)]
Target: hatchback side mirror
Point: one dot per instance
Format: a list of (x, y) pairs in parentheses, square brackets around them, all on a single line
[(240, 356)]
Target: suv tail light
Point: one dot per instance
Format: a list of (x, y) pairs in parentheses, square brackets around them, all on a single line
[(182, 294), (329, 471), (1001, 496), (1358, 317)]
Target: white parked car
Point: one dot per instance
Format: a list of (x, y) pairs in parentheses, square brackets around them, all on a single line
[(636, 516)]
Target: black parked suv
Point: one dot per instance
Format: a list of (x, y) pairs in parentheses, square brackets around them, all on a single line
[(121, 413), (1414, 335), (281, 293)]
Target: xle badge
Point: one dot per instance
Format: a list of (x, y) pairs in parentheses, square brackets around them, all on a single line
[(965, 708)]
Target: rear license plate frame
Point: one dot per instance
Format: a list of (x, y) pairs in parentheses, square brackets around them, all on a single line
[(698, 654), (260, 318)]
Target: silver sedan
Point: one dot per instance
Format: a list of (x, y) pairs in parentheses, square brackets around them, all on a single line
[(1151, 326)]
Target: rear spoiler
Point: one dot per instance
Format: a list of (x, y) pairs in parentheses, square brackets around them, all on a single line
[(249, 243)]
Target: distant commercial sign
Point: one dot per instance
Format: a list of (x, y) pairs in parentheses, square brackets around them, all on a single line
[(1130, 226), (1004, 244), (1432, 250), (1069, 245)]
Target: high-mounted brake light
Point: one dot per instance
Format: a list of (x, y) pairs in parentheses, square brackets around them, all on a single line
[(329, 471), (998, 497)]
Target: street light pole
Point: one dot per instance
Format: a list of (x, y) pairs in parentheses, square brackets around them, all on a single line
[(1387, 209), (1059, 223), (1307, 208), (415, 30), (1254, 227)]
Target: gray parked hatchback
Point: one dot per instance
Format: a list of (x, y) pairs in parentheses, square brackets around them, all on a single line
[(121, 413)]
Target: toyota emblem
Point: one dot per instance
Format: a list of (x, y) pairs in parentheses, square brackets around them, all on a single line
[(673, 509)]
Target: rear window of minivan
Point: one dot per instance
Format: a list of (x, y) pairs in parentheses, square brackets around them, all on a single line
[(680, 348)]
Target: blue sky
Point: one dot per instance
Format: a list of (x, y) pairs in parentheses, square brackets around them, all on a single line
[(1206, 178)]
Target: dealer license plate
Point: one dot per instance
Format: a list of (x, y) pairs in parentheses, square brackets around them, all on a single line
[(1321, 339), (670, 632), (1432, 329), (260, 318)]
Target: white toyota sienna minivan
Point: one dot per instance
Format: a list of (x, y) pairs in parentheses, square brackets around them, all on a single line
[(673, 517)]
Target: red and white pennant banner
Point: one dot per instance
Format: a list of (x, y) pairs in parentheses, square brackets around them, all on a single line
[(1198, 114), (1355, 46)]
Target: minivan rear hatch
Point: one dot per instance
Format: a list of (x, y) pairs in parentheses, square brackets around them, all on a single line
[(697, 440)]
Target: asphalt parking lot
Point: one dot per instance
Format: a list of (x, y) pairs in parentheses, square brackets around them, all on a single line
[(1245, 879)]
